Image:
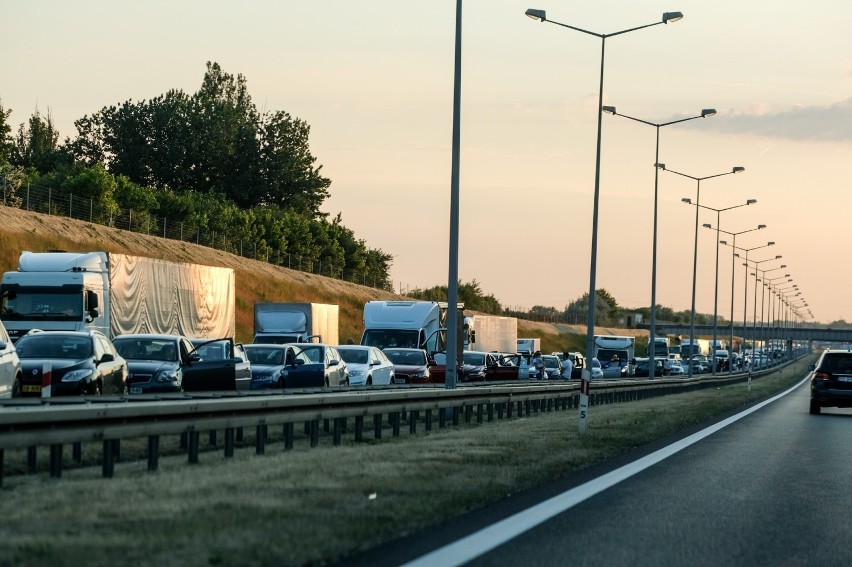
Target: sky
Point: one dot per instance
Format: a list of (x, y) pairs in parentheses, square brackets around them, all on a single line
[(374, 80)]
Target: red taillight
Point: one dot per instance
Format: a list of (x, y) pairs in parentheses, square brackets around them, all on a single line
[(822, 376)]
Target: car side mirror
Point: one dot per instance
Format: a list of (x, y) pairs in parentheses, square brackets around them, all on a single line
[(811, 367), (107, 357), (334, 362), (194, 357)]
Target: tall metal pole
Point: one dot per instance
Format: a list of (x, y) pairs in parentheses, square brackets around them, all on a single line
[(716, 295), (694, 279), (453, 272), (731, 345)]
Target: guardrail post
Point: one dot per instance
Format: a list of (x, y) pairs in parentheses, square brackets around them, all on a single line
[(428, 424), (468, 410), (479, 413), (314, 433), (260, 439), (442, 418), (2, 458), (455, 416), (288, 436), (490, 412), (412, 421), (359, 428), (153, 452), (193, 438), (396, 419), (337, 428), (527, 404), (229, 442), (108, 466), (509, 406), (32, 459), (77, 452), (56, 460), (377, 426)]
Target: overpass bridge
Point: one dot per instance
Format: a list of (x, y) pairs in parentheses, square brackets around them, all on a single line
[(761, 333)]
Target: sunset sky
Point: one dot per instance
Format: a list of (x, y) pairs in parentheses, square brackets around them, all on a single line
[(374, 80)]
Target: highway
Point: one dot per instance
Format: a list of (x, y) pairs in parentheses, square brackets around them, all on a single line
[(767, 488)]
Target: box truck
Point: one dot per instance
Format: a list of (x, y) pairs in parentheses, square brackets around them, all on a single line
[(527, 346), (614, 354), (280, 323), (490, 333), (117, 294), (411, 324)]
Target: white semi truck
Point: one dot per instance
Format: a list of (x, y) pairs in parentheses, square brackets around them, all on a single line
[(117, 294), (280, 323), (491, 333)]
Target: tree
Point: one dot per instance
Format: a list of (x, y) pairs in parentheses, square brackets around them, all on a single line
[(37, 146), (7, 142)]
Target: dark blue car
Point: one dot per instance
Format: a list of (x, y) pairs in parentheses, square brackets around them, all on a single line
[(283, 366)]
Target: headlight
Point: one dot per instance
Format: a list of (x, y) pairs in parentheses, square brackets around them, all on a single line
[(171, 375), (353, 372), (77, 375)]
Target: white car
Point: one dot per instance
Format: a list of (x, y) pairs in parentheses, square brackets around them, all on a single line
[(677, 369), (367, 365), (10, 367)]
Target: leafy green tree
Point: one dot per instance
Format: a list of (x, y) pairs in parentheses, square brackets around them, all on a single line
[(7, 142), (37, 145)]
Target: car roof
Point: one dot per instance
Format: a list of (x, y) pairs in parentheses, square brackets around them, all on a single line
[(147, 336)]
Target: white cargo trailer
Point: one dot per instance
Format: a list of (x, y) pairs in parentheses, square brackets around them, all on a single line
[(491, 333)]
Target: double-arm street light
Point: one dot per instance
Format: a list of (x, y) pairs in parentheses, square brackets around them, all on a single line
[(775, 299), (698, 180), (763, 273), (716, 292), (652, 331), (541, 15), (733, 270)]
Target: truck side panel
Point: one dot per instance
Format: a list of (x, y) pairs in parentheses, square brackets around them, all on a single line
[(148, 295)]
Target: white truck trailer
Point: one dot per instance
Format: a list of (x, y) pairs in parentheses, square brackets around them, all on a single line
[(280, 323), (117, 294), (527, 346), (491, 333)]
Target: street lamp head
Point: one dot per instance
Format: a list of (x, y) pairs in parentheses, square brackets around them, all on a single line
[(672, 17), (705, 225), (770, 243), (751, 201), (708, 112), (660, 165), (540, 15), (778, 258), (738, 169), (761, 226), (725, 242), (687, 200), (609, 109)]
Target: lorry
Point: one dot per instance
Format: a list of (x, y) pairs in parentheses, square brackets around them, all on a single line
[(614, 353), (693, 347), (527, 346), (281, 323), (661, 347), (117, 294), (490, 333), (409, 324)]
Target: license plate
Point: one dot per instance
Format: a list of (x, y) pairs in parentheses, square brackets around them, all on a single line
[(844, 378), (136, 390), (26, 388), (399, 380)]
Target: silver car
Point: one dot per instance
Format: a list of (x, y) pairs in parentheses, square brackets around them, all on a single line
[(10, 367)]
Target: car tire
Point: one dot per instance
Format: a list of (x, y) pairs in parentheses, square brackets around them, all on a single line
[(16, 387), (815, 408), (369, 381), (281, 383), (99, 389)]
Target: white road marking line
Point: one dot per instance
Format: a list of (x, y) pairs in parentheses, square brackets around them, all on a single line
[(486, 539)]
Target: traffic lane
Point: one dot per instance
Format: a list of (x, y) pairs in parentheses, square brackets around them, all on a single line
[(769, 489)]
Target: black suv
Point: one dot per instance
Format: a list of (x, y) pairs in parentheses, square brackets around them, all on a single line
[(831, 381)]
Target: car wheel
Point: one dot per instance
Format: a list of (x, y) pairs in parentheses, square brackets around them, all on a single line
[(99, 389), (815, 408), (326, 381), (281, 383), (16, 387), (369, 381)]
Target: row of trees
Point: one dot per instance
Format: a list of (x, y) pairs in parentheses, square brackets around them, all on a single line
[(209, 160)]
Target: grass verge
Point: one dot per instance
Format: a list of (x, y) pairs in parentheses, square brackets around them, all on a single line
[(311, 506)]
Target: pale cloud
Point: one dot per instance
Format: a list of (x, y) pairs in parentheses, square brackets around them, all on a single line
[(831, 123)]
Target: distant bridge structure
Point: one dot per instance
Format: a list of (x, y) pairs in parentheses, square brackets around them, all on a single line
[(760, 332)]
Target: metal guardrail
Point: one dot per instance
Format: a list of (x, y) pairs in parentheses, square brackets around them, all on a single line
[(108, 420)]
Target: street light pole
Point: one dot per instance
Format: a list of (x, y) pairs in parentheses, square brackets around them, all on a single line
[(541, 15), (754, 311), (652, 331), (733, 270), (745, 289), (736, 169), (716, 292)]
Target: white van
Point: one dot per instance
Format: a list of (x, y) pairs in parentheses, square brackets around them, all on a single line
[(10, 367)]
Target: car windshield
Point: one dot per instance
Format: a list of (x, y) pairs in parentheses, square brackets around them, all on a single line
[(313, 353), (412, 357), (354, 356), (265, 355), (53, 346), (551, 361), (146, 349), (474, 358)]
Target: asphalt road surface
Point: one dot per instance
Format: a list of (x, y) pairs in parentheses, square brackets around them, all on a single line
[(773, 487)]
